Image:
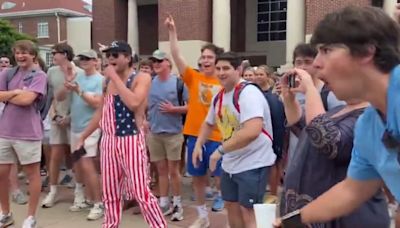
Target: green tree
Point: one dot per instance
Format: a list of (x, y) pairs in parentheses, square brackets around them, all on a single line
[(8, 35)]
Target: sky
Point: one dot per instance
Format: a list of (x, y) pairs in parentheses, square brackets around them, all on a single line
[(88, 1)]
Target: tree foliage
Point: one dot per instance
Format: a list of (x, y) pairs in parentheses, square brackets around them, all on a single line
[(8, 35)]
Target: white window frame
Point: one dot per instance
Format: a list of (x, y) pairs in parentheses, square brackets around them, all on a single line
[(49, 58), (20, 27), (43, 30)]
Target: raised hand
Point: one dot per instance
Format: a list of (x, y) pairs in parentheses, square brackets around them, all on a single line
[(170, 23)]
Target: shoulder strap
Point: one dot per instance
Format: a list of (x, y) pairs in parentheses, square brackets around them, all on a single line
[(324, 96), (11, 73), (179, 90), (236, 93), (128, 83)]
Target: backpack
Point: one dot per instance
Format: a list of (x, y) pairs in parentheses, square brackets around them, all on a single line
[(236, 93), (179, 90), (42, 105), (278, 119)]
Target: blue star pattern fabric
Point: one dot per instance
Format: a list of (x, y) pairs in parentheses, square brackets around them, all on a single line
[(124, 118)]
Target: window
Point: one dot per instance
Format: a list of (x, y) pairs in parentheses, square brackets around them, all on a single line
[(271, 20), (7, 5), (20, 27), (43, 30), (49, 58)]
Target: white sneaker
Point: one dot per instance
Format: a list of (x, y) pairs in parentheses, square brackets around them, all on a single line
[(201, 223), (6, 220), (19, 197), (49, 200), (96, 212), (79, 206), (29, 222), (177, 214)]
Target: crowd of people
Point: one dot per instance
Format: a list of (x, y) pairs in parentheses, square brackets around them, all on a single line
[(324, 137)]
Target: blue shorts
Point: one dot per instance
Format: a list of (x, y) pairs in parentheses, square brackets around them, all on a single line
[(208, 149), (247, 188)]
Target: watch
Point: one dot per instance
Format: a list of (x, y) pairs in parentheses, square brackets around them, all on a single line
[(292, 220), (220, 150)]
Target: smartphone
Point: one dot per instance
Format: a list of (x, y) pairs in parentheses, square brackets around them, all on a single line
[(77, 154), (292, 80)]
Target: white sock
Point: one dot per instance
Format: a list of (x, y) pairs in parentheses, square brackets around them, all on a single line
[(164, 201), (53, 189), (78, 187), (209, 190), (202, 211), (177, 201), (69, 172)]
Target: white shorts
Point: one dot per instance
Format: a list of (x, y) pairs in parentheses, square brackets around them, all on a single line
[(91, 143), (26, 152), (59, 135)]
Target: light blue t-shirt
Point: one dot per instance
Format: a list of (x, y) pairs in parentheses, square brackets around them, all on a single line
[(165, 91), (81, 112), (370, 158)]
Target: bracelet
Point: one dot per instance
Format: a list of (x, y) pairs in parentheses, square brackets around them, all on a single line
[(81, 92), (220, 150)]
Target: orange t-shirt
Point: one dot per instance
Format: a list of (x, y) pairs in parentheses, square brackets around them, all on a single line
[(201, 89)]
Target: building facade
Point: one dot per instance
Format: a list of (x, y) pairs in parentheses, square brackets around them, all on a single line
[(265, 31), (50, 22)]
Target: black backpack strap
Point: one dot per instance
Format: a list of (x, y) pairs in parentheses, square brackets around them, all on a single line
[(324, 96), (179, 90)]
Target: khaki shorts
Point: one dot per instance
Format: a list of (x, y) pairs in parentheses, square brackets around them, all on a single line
[(59, 135), (91, 143), (26, 152), (165, 146)]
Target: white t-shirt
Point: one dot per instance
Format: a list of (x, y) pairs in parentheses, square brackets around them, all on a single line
[(258, 153)]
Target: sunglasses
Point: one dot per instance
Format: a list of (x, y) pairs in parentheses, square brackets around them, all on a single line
[(84, 58), (113, 54)]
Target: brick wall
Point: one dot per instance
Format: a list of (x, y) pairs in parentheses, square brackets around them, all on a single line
[(30, 26), (109, 21), (316, 10), (193, 19)]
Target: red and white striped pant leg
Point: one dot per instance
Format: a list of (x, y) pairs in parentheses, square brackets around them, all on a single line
[(112, 181), (136, 168)]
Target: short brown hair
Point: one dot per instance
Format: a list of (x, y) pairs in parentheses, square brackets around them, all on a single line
[(146, 62), (212, 47), (65, 48), (26, 45), (304, 50), (359, 28)]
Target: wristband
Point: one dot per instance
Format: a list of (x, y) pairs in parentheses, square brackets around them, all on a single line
[(292, 220), (220, 150)]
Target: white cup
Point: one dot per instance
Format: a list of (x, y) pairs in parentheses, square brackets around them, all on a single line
[(265, 215)]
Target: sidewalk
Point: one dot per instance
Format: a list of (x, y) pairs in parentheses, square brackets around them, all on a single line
[(60, 217)]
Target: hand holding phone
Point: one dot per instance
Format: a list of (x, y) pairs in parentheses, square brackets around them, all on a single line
[(77, 154)]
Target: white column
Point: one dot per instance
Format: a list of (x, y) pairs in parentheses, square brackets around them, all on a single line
[(295, 26), (389, 6), (221, 30), (133, 27)]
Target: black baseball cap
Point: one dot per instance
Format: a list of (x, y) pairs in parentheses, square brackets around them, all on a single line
[(119, 46)]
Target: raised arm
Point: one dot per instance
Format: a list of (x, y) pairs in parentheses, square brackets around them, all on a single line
[(173, 41)]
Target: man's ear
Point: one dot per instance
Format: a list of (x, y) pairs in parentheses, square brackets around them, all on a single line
[(369, 55)]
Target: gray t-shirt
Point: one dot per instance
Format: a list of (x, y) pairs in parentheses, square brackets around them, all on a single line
[(162, 91), (258, 153), (56, 80)]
